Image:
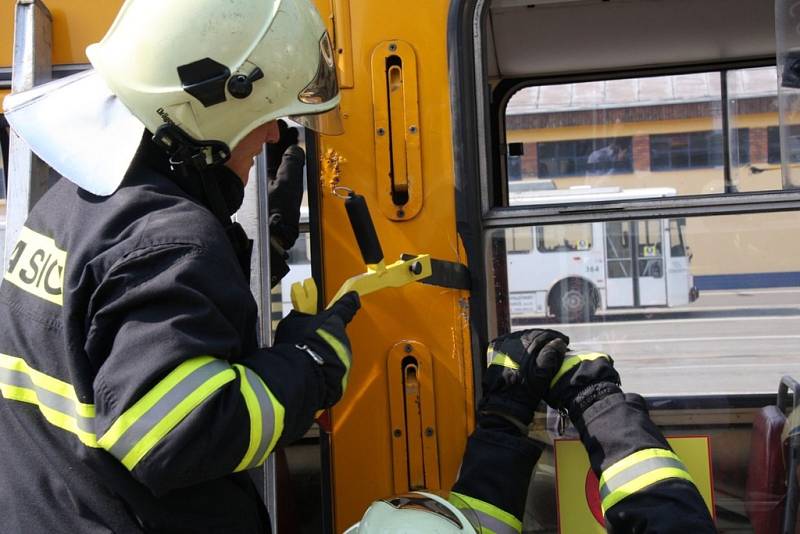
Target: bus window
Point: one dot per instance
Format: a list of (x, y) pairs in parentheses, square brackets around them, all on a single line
[(656, 131), (649, 238), (676, 244), (568, 238), (519, 240), (723, 319)]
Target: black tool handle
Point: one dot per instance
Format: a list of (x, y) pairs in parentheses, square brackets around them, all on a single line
[(364, 229)]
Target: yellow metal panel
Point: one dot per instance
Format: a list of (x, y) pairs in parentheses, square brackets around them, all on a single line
[(362, 434), (397, 129), (76, 24), (413, 417), (343, 40)]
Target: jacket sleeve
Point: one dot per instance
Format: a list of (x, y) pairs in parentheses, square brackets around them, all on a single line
[(644, 486), (178, 398), (494, 477)]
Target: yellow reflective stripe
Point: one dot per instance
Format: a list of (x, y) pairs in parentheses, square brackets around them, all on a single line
[(53, 385), (129, 418), (637, 471), (504, 360), (574, 360), (642, 482), (340, 350), (503, 521), (56, 400), (266, 418), (53, 417), (175, 416), (162, 408), (633, 459), (254, 410), (280, 415)]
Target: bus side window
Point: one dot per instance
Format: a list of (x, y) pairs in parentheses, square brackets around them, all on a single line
[(519, 240), (564, 238)]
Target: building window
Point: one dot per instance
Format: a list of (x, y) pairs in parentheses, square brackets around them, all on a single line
[(585, 157), (564, 238), (694, 150), (774, 144)]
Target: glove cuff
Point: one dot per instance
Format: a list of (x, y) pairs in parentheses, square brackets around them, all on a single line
[(588, 396)]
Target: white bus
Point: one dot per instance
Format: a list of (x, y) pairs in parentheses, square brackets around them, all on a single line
[(574, 271)]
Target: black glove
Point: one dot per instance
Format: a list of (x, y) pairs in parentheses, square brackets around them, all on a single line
[(285, 163), (323, 338), (522, 364), (583, 379)]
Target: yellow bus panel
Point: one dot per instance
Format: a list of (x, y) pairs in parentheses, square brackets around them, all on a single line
[(371, 458)]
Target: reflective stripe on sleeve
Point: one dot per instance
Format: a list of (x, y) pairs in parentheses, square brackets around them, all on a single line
[(501, 358), (638, 471), (57, 400), (574, 360), (161, 409), (266, 418), (492, 519), (341, 351)]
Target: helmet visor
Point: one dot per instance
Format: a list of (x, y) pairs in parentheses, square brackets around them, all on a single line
[(326, 123), (324, 87)]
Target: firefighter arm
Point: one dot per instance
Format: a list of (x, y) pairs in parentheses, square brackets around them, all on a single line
[(180, 397), (495, 474), (644, 486)]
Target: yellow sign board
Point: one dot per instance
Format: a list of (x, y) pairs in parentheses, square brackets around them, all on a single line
[(575, 478)]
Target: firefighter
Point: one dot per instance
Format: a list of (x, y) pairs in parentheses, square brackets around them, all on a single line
[(644, 486), (134, 394)]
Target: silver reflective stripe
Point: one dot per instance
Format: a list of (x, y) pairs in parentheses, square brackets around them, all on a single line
[(164, 406), (637, 470), (494, 524), (267, 416), (48, 399)]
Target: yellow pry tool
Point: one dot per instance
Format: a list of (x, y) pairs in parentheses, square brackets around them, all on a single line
[(378, 276)]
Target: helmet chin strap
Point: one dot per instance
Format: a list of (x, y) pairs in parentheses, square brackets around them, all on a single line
[(189, 157)]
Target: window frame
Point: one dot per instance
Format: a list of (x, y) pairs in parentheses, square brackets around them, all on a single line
[(482, 191)]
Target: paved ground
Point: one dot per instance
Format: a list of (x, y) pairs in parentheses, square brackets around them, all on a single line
[(726, 342)]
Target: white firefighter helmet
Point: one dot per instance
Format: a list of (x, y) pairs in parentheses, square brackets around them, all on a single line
[(207, 72), (418, 512)]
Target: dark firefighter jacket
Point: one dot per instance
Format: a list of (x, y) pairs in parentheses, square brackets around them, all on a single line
[(624, 446), (134, 395)]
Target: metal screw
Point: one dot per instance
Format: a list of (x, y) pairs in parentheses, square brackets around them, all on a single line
[(409, 348), (401, 213), (413, 129), (416, 268), (381, 131), (398, 433), (392, 47), (429, 432)]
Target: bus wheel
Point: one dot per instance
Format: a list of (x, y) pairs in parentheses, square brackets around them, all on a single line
[(573, 301)]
